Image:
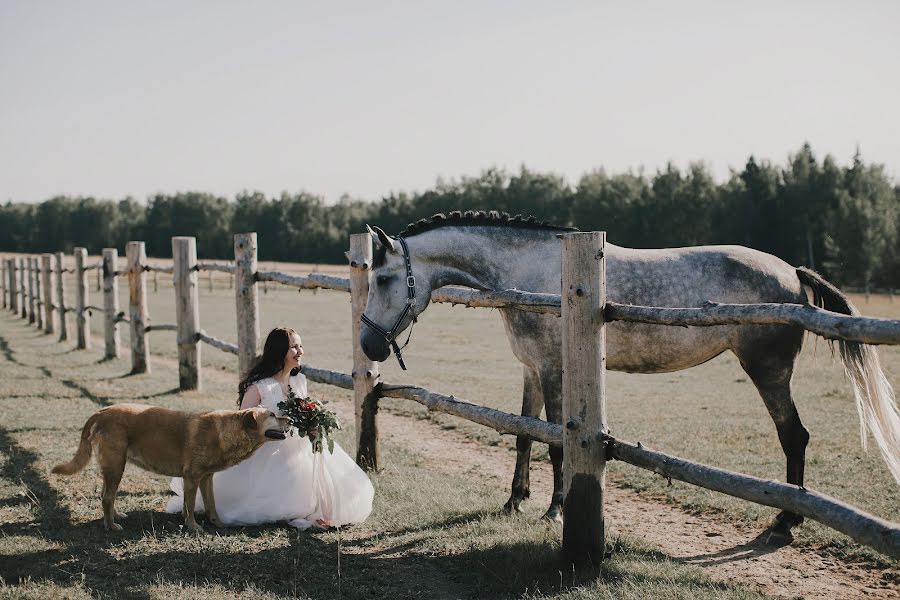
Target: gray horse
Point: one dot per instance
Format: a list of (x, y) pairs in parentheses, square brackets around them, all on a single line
[(496, 252)]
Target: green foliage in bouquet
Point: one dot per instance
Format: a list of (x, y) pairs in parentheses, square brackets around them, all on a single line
[(311, 418)]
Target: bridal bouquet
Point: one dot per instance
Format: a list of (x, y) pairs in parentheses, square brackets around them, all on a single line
[(311, 418)]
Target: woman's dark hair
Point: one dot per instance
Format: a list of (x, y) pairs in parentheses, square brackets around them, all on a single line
[(272, 360)]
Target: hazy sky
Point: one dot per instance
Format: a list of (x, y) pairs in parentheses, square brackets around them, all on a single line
[(130, 98)]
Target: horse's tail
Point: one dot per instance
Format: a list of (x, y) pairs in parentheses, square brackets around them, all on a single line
[(878, 413), (82, 455)]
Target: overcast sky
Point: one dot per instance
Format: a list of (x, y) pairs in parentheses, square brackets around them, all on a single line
[(131, 98)]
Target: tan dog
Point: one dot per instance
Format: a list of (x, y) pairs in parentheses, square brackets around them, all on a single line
[(170, 442)]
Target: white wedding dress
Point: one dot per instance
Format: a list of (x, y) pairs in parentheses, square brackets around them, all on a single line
[(286, 481)]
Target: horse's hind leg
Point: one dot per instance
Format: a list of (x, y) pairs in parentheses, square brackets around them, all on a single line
[(551, 385), (771, 369), (532, 400)]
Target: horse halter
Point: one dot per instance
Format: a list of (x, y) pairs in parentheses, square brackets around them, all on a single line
[(389, 336)]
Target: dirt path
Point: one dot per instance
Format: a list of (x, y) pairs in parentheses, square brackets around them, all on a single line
[(723, 551)]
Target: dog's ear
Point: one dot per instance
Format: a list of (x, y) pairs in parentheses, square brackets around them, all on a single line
[(250, 418)]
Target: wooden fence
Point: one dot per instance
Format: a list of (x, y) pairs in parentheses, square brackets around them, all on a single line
[(584, 437)]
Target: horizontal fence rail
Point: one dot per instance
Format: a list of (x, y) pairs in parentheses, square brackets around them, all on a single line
[(309, 282), (223, 268), (217, 343), (867, 529), (828, 324)]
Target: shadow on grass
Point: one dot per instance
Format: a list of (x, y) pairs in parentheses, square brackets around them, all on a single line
[(98, 400)]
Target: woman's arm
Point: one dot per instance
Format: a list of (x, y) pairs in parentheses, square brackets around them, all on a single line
[(251, 397)]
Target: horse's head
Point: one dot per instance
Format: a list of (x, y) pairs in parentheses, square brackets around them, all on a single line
[(399, 291)]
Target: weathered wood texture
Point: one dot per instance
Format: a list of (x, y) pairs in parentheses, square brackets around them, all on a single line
[(30, 270), (82, 316), (22, 285), (830, 325), (310, 282), (584, 395), (61, 296), (110, 262), (38, 292), (500, 421), (49, 288), (246, 296), (138, 316), (11, 285), (365, 371), (187, 312), (3, 281), (217, 343), (525, 301), (866, 529), (222, 268)]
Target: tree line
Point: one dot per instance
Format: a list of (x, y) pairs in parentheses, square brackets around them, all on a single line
[(843, 221)]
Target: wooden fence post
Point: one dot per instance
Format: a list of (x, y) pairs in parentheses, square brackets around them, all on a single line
[(584, 395), (187, 311), (365, 371), (22, 284), (3, 280), (47, 285), (30, 274), (246, 295), (110, 302), (11, 284), (61, 297), (38, 294), (137, 306), (82, 316)]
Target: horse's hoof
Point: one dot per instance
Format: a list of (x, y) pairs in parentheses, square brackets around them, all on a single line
[(113, 526), (512, 506), (121, 515), (779, 533), (553, 515)]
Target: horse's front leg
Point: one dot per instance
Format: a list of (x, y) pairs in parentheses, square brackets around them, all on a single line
[(553, 406), (531, 407)]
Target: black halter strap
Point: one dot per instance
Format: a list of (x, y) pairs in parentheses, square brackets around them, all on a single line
[(390, 336)]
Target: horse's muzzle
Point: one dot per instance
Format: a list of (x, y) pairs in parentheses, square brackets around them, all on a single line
[(373, 345)]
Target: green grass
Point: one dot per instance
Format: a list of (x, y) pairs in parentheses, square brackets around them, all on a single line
[(432, 534)]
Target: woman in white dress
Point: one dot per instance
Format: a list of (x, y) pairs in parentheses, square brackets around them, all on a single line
[(285, 480)]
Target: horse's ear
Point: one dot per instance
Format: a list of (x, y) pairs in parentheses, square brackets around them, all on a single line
[(380, 238)]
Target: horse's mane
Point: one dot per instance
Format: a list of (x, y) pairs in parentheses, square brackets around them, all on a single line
[(472, 218)]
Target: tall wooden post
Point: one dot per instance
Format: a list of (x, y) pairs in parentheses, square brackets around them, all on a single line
[(110, 302), (137, 306), (22, 283), (584, 395), (11, 285), (38, 294), (82, 316), (365, 371), (30, 274), (246, 297), (3, 281), (187, 311), (47, 285), (61, 297)]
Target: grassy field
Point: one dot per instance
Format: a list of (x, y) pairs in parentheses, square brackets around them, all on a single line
[(432, 534)]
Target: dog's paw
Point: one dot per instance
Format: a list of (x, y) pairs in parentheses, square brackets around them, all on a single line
[(194, 528)]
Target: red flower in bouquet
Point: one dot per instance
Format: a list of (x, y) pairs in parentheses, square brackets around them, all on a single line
[(311, 418)]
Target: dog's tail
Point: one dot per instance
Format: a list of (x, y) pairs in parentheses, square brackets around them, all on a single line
[(82, 455)]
